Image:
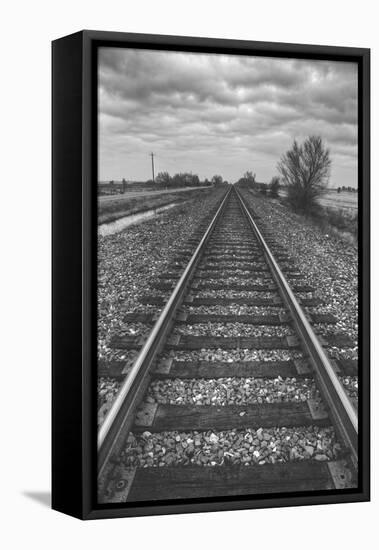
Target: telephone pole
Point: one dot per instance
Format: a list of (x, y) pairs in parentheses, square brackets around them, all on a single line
[(152, 165)]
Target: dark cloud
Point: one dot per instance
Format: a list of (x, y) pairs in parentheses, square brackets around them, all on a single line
[(221, 114)]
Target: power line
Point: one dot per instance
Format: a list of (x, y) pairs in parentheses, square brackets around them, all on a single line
[(152, 165)]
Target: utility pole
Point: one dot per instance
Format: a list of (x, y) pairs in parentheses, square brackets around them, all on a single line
[(152, 165)]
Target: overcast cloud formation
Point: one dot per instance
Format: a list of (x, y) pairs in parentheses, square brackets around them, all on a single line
[(221, 114)]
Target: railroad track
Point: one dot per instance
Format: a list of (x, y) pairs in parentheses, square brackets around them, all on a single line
[(235, 315)]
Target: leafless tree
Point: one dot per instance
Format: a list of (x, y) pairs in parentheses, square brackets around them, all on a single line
[(305, 170), (249, 177)]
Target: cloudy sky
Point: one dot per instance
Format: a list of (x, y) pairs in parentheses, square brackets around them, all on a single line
[(220, 114)]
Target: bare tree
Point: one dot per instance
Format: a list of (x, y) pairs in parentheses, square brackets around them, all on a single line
[(249, 177), (305, 170)]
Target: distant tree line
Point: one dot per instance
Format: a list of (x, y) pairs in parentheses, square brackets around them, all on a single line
[(248, 179), (163, 179), (178, 180), (184, 179), (349, 189)]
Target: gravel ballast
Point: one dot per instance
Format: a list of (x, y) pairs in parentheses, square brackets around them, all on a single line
[(350, 384), (342, 353), (129, 261), (232, 356), (230, 391), (239, 447), (327, 262), (227, 264), (225, 391), (107, 389), (235, 309), (227, 280), (233, 294), (233, 329), (226, 274)]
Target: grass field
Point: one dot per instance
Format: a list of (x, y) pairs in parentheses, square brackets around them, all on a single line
[(339, 212), (128, 204), (131, 193), (339, 201), (343, 200)]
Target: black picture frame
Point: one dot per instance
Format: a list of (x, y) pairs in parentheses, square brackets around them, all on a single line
[(74, 203)]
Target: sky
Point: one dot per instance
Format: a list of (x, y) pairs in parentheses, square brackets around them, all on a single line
[(221, 114)]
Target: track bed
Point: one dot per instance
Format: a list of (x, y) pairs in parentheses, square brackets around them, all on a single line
[(221, 396)]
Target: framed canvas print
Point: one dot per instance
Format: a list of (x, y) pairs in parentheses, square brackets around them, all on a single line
[(210, 274)]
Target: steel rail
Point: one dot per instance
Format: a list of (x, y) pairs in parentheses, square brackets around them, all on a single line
[(127, 397), (340, 407)]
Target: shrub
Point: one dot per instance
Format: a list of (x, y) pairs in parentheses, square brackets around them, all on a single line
[(274, 186)]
